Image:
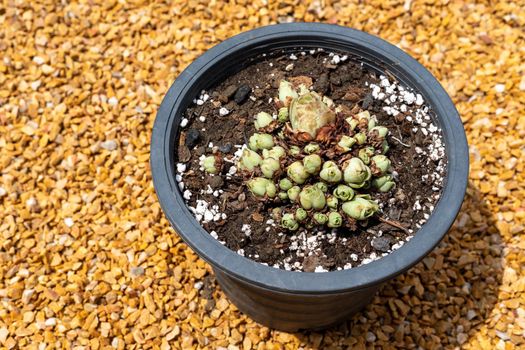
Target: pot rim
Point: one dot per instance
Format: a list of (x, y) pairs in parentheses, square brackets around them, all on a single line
[(162, 161)]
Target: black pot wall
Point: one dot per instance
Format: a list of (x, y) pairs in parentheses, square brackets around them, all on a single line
[(299, 300), (291, 311)]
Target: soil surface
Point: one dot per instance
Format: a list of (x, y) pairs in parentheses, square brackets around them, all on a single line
[(222, 119)]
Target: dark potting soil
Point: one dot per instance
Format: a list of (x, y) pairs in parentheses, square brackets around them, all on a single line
[(222, 119)]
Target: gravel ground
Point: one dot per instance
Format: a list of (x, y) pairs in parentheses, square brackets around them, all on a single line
[(87, 259)]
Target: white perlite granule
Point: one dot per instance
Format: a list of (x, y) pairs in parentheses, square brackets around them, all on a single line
[(223, 111)]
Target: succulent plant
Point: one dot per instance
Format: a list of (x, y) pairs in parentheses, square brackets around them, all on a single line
[(360, 138), (312, 147), (294, 151), (335, 219), (277, 213), (313, 174), (297, 172), (312, 164), (352, 122), (331, 172), (320, 218), (308, 113), (360, 208), (288, 222), (269, 167), (293, 193), (322, 186), (285, 184), (346, 143), (381, 162), (384, 183), (380, 130), (208, 164), (311, 197), (344, 193), (260, 141), (356, 173), (276, 152), (365, 154), (385, 147), (300, 214), (249, 160), (282, 116), (363, 115), (286, 92), (332, 202), (262, 187), (262, 120)]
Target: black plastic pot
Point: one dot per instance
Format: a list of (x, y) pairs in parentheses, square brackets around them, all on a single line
[(298, 300)]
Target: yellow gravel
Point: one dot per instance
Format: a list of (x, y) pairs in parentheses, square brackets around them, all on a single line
[(87, 260)]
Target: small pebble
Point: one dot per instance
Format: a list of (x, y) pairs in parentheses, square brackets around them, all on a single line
[(242, 94), (192, 138)]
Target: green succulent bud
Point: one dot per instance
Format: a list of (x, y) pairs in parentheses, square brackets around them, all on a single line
[(293, 193), (286, 92), (283, 115), (283, 195), (260, 141), (363, 115), (329, 164), (261, 187), (312, 197), (276, 213), (332, 202), (385, 146), (331, 172), (320, 218), (249, 160), (308, 113), (344, 193), (311, 148), (328, 101), (303, 89), (288, 222), (300, 214), (269, 167), (276, 152), (381, 162), (356, 173), (372, 123), (381, 131), (360, 138), (360, 208), (312, 163), (209, 165), (346, 142), (335, 219), (384, 183), (364, 196), (297, 172), (365, 154), (262, 120), (285, 184), (294, 151), (352, 122), (322, 186)]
